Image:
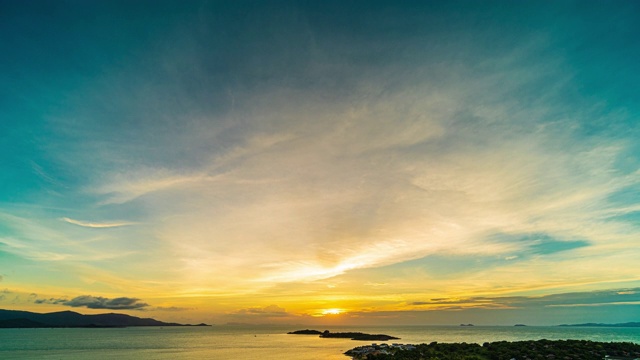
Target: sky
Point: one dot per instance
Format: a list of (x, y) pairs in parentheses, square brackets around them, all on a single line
[(322, 162)]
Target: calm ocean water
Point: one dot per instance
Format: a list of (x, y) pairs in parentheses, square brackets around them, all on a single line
[(261, 342)]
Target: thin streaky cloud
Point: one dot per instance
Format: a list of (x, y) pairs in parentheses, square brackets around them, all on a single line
[(97, 225), (214, 156)]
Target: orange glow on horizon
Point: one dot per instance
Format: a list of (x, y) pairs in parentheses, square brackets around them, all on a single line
[(333, 311)]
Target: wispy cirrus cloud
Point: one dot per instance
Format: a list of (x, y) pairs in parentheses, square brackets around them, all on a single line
[(443, 152), (97, 225), (392, 163)]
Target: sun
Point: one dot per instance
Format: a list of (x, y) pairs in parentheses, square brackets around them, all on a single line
[(331, 311)]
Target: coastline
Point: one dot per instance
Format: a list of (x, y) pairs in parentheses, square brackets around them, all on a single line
[(531, 349)]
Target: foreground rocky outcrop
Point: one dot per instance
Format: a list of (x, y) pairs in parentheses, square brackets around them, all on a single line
[(501, 350)]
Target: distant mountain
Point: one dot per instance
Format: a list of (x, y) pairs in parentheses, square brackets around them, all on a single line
[(628, 324), (26, 319)]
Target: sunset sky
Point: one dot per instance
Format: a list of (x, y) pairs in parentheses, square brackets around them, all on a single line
[(322, 162)]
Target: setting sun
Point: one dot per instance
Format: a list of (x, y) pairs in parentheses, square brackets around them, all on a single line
[(331, 311)]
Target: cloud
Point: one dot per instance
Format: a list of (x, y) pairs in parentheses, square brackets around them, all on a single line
[(593, 298), (171, 308), (39, 239), (53, 301), (267, 314), (121, 303), (335, 153), (537, 243), (269, 311), (98, 302), (38, 170), (96, 225), (596, 304)]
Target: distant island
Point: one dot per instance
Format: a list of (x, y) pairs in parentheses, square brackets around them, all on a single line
[(305, 332), (532, 349), (628, 324), (67, 319), (345, 335)]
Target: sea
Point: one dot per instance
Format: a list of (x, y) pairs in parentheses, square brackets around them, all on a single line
[(261, 342)]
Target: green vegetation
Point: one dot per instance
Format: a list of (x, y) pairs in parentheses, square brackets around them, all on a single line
[(502, 350)]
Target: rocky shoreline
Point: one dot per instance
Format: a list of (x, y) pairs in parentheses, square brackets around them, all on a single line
[(518, 350)]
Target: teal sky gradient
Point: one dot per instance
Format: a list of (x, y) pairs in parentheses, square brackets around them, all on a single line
[(262, 161)]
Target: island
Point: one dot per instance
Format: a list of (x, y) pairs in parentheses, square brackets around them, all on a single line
[(345, 335), (305, 332), (70, 319), (533, 349)]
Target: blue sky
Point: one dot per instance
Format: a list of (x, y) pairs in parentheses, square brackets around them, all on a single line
[(267, 161)]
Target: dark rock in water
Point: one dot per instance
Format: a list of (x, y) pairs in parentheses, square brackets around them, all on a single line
[(345, 335), (358, 336), (305, 332)]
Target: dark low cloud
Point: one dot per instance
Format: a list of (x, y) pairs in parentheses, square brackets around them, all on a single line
[(171, 308), (269, 311), (594, 298), (3, 294), (98, 302), (53, 301)]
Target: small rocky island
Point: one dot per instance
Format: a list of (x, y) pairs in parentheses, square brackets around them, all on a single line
[(345, 335), (305, 332)]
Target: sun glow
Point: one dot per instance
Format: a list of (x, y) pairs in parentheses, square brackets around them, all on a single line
[(331, 311)]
